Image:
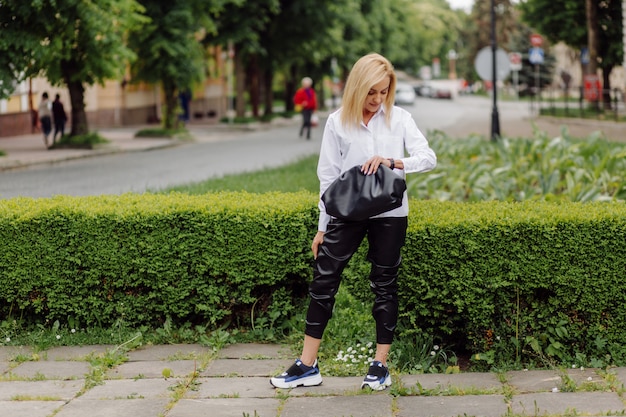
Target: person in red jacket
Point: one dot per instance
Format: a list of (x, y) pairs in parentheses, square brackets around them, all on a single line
[(306, 102)]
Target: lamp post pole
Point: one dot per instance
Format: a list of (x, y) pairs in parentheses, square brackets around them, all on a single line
[(495, 118)]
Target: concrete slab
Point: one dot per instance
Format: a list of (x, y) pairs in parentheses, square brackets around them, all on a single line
[(167, 352), (567, 403), (252, 387), (9, 353), (330, 387), (533, 381), (113, 408), (588, 377), (452, 406), (52, 390), (620, 373), (51, 370), (4, 366), (153, 369), (74, 353), (29, 408), (486, 383), (256, 351), (246, 367), (374, 405), (225, 407), (131, 389)]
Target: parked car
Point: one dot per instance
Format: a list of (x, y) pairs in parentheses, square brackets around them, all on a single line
[(423, 90), (405, 94), (442, 92)]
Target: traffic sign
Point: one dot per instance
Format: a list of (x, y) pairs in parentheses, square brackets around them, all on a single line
[(535, 56), (536, 40), (515, 59), (484, 61)]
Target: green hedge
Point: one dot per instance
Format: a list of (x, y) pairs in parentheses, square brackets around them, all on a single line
[(501, 277), (491, 276), (145, 258)]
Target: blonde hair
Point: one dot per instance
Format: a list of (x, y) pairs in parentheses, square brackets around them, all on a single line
[(368, 71)]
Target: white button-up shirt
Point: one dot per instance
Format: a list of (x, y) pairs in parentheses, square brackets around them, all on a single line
[(342, 148)]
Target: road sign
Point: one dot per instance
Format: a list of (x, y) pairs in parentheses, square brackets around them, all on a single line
[(535, 56), (593, 88), (536, 40), (484, 61), (584, 55), (515, 59)]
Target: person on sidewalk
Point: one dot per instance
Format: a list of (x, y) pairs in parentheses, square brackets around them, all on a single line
[(58, 113), (45, 117), (305, 101), (368, 130)]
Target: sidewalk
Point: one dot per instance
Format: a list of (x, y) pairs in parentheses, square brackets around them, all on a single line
[(61, 382)]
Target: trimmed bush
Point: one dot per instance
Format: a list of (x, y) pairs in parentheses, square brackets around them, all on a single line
[(496, 277), (144, 258)]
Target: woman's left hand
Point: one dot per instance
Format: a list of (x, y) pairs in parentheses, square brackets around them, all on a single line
[(371, 165)]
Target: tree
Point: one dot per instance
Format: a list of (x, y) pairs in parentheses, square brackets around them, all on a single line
[(71, 42), (594, 24), (168, 48)]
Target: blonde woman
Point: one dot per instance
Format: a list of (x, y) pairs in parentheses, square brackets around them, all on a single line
[(368, 130)]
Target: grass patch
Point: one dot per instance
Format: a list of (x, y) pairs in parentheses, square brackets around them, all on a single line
[(87, 141), (585, 113), (159, 132), (298, 176)]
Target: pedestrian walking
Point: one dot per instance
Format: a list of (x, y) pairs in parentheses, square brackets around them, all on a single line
[(368, 131), (305, 101), (45, 117), (59, 116)]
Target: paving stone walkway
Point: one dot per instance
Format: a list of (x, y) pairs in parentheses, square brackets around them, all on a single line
[(193, 381)]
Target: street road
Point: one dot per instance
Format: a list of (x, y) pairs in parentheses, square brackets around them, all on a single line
[(215, 154)]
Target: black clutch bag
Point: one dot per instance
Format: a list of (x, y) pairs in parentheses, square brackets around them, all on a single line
[(356, 196)]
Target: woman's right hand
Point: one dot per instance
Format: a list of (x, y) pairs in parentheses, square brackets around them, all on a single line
[(317, 241)]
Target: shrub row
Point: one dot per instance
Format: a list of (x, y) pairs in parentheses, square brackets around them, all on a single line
[(492, 276)]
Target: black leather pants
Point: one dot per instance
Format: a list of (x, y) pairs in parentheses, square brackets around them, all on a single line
[(386, 237)]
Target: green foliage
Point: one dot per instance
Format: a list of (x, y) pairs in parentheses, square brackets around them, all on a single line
[(80, 141), (180, 133), (144, 259), (541, 168), (295, 177)]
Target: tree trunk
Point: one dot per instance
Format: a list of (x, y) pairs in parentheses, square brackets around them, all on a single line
[(171, 106), (240, 87), (606, 87), (77, 98), (254, 84), (593, 39), (268, 81)]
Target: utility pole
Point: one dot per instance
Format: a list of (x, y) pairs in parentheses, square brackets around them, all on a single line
[(495, 118)]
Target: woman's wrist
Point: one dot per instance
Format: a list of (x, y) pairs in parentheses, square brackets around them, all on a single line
[(392, 163)]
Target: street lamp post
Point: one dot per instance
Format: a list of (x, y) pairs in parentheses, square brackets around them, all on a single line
[(495, 118)]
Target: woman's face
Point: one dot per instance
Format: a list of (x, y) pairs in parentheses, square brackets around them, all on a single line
[(376, 96)]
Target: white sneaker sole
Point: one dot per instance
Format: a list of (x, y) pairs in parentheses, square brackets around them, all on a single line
[(309, 381), (376, 385)]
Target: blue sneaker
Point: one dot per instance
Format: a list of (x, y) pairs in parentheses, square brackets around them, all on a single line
[(298, 375), (377, 377)]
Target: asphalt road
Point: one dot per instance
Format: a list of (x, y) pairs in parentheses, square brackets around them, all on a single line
[(216, 154)]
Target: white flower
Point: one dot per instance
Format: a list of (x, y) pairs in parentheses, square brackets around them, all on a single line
[(363, 348), (8, 339), (582, 368), (574, 366), (436, 347), (58, 337), (358, 345), (433, 353), (73, 330), (589, 378), (350, 349), (555, 389), (369, 344), (498, 338)]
